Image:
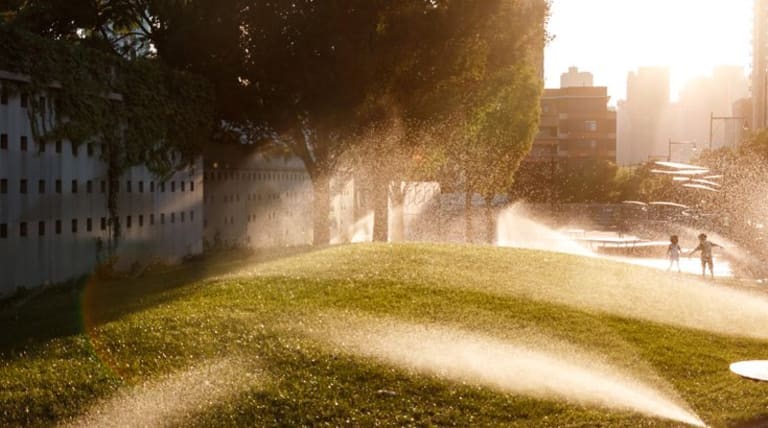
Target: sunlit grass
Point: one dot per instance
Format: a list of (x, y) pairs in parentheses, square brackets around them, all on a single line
[(245, 309)]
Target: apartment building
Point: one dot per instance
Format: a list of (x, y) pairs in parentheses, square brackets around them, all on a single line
[(575, 125)]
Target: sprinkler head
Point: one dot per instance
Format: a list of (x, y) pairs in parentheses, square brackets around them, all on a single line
[(754, 369)]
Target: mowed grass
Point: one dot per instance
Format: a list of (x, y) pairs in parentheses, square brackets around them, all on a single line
[(68, 350)]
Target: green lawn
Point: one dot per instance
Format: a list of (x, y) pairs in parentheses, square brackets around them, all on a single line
[(304, 338)]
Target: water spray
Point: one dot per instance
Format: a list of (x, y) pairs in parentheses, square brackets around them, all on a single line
[(465, 356)]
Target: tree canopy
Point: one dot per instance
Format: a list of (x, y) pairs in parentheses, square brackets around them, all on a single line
[(311, 75)]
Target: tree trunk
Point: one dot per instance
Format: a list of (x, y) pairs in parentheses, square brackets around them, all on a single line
[(490, 227), (113, 185), (468, 216), (380, 194), (397, 194), (321, 208)]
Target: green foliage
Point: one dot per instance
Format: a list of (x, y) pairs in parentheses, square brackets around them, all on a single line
[(140, 108), (587, 181), (595, 180), (502, 131), (142, 112)]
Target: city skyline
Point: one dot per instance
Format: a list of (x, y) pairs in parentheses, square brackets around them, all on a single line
[(689, 37)]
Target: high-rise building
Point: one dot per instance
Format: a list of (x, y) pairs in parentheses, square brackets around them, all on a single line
[(576, 78), (704, 111), (642, 135), (759, 64)]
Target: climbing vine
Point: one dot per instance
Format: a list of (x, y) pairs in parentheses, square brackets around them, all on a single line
[(142, 112)]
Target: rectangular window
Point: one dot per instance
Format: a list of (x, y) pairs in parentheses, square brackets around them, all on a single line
[(151, 219), (3, 141), (173, 186), (41, 186), (58, 146), (74, 186), (4, 185), (191, 186), (58, 227), (162, 187), (151, 187), (23, 144), (191, 216), (89, 148), (141, 187), (74, 225), (128, 222), (4, 96), (162, 218), (103, 186), (88, 224), (75, 149), (3, 230), (24, 100), (128, 186), (89, 186), (141, 220), (590, 125), (23, 186), (40, 228), (58, 186), (183, 183), (41, 146), (173, 218), (23, 229), (103, 223), (183, 216)]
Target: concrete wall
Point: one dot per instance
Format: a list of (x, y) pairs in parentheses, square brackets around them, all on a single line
[(254, 201), (52, 232)]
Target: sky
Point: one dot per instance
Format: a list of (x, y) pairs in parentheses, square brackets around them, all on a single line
[(609, 38)]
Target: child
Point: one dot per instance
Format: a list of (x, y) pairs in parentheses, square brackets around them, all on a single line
[(673, 252), (706, 254)]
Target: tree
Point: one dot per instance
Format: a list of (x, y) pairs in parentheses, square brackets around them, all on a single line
[(308, 69), (495, 98), (504, 132), (741, 203), (307, 75)]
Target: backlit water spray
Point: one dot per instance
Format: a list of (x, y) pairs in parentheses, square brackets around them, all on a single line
[(515, 228), (170, 400), (465, 356)]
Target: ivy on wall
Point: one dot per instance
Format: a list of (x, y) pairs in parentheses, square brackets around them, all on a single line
[(142, 112)]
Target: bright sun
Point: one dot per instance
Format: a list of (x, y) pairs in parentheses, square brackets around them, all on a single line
[(612, 37)]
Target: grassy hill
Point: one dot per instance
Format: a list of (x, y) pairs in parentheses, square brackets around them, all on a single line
[(390, 335)]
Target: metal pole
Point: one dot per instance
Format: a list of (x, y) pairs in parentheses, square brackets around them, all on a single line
[(552, 153), (669, 150)]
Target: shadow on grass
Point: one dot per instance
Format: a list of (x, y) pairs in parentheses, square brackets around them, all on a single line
[(758, 422), (65, 310)]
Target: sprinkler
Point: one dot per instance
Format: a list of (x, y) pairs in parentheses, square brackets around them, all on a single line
[(754, 369)]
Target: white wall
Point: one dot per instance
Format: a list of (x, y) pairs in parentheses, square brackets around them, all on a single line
[(51, 257), (253, 201)]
